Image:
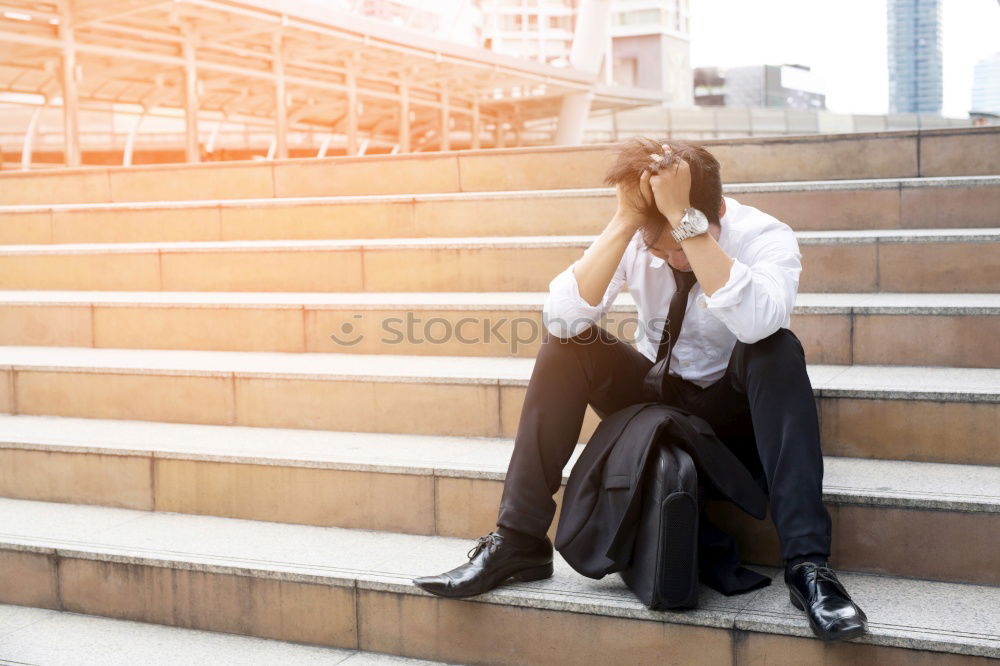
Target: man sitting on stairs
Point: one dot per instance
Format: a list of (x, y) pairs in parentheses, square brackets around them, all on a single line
[(733, 277)]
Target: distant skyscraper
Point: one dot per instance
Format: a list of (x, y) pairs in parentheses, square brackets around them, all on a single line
[(986, 86), (915, 60)]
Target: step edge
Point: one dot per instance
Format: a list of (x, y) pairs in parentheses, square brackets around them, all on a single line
[(525, 595), (841, 495)]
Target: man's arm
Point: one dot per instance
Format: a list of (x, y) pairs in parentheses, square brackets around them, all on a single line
[(671, 190), (594, 270), (710, 263), (566, 313), (759, 296), (753, 298), (586, 289)]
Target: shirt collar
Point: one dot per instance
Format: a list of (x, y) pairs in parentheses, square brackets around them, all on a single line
[(731, 206)]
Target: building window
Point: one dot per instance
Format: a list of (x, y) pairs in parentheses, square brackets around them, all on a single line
[(559, 22), (639, 17)]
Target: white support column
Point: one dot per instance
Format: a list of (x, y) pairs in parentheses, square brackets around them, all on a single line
[(324, 146), (609, 60), (280, 97), (213, 137), (500, 133), (71, 103), (445, 119), (404, 116), (130, 140), (191, 152), (592, 27), (476, 128), (352, 113), (573, 116), (29, 139)]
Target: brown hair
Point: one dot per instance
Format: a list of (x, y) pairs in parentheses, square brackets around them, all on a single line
[(706, 178)]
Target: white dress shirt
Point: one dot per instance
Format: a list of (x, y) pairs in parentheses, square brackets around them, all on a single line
[(756, 300)]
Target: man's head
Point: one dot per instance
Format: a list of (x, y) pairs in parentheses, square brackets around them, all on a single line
[(633, 157)]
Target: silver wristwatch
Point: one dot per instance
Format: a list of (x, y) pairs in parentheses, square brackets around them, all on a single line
[(693, 223)]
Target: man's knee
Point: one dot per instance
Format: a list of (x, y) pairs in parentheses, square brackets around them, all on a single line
[(776, 355), (779, 344), (592, 335)]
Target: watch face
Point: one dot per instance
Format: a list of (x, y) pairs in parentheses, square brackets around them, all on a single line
[(697, 219)]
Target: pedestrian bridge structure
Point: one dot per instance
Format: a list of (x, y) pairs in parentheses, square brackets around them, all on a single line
[(290, 66)]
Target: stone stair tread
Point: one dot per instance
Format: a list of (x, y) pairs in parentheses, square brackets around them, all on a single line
[(60, 638), (941, 235), (862, 184), (870, 381), (902, 612), (904, 484), (938, 235), (805, 303), (728, 188)]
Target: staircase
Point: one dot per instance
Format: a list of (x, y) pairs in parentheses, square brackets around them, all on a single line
[(206, 423)]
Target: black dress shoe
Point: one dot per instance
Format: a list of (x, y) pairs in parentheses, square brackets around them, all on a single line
[(491, 561), (832, 613)]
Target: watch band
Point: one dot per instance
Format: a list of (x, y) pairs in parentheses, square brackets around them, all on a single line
[(688, 227)]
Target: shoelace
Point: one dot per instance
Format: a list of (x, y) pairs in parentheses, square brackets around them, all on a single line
[(490, 540), (826, 573)]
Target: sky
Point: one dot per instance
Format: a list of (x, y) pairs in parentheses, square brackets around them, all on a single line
[(844, 42)]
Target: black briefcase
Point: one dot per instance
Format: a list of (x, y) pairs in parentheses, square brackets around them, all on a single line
[(663, 572)]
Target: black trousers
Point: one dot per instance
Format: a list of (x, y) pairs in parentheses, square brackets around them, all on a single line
[(762, 408)]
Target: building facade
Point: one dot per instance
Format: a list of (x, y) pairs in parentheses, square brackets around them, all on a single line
[(759, 86), (648, 45), (915, 56)]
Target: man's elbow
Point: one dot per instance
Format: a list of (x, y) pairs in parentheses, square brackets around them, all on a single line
[(756, 335), (762, 327), (564, 332), (564, 323), (566, 327)]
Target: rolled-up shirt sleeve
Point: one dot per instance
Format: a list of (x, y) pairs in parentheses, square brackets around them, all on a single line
[(759, 296), (566, 313)]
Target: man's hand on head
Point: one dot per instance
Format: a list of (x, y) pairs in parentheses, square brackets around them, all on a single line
[(634, 203), (670, 185)]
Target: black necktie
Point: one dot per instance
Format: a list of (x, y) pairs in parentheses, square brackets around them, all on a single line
[(675, 314), (654, 381)]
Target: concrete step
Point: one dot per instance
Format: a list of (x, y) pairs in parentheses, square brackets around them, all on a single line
[(881, 509), (910, 260), (61, 638), (353, 589), (933, 414), (896, 329), (888, 203), (906, 154)]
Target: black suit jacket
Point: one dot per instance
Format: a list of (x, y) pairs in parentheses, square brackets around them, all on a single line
[(601, 502)]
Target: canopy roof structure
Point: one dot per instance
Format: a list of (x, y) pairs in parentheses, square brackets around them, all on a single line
[(299, 65)]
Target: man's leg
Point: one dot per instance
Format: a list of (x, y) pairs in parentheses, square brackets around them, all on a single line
[(765, 401), (771, 376), (595, 368)]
